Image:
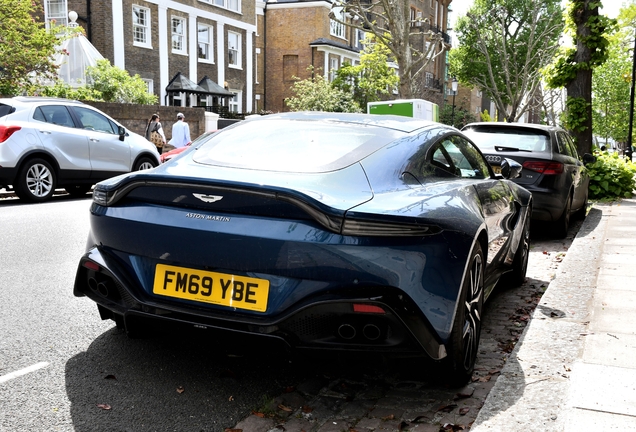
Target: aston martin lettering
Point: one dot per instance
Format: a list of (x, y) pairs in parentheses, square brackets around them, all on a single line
[(208, 198), (208, 217), (210, 287)]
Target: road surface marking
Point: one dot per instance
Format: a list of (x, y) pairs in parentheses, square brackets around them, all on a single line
[(24, 371)]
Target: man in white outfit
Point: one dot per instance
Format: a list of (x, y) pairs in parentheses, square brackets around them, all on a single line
[(180, 133)]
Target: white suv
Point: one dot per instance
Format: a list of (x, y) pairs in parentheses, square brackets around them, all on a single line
[(47, 143)]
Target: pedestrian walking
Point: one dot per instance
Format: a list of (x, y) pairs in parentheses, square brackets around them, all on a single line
[(180, 133), (152, 129)]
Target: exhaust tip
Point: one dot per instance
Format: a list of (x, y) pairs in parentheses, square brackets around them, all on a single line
[(102, 288), (347, 331), (371, 332), (92, 284)]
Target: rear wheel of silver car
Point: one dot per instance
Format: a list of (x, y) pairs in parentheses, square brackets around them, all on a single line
[(562, 225), (36, 181), (464, 339), (143, 164)]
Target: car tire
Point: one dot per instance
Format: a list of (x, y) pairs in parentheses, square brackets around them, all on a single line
[(464, 339), (582, 212), (517, 275), (36, 181), (562, 225), (144, 163), (77, 191)]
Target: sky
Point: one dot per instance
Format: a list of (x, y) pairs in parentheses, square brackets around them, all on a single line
[(459, 7)]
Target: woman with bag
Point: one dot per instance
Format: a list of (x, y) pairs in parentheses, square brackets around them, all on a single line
[(154, 132)]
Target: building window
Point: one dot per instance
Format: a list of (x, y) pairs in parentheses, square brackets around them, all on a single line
[(178, 35), (233, 5), (234, 49), (55, 12), (333, 67), (429, 79), (141, 26), (235, 101), (205, 42), (338, 28), (150, 84), (359, 38)]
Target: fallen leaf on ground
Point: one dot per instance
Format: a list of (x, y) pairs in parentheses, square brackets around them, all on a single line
[(464, 411), (389, 417), (180, 389), (110, 377), (420, 419), (258, 414), (284, 408), (233, 430), (447, 408), (307, 409), (231, 398), (103, 406)]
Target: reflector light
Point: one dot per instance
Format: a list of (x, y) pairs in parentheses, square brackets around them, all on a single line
[(7, 131), (91, 265), (367, 308), (544, 167)]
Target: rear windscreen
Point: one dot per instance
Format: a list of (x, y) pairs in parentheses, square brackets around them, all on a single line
[(293, 145), (525, 140)]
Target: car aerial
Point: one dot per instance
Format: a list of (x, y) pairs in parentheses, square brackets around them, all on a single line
[(47, 143), (328, 231), (552, 169)]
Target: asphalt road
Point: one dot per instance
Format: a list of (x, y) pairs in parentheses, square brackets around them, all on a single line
[(63, 369)]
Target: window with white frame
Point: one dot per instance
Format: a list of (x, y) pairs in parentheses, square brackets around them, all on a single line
[(233, 5), (234, 49), (179, 35), (141, 26), (205, 42), (338, 28), (56, 11), (333, 67), (150, 85), (235, 101), (359, 38)]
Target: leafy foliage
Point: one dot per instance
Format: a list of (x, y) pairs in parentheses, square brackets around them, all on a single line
[(503, 45), (370, 80), (116, 85), (459, 119), (317, 94), (63, 90), (27, 48), (611, 176)]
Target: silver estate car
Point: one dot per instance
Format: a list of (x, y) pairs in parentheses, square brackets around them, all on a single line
[(49, 143)]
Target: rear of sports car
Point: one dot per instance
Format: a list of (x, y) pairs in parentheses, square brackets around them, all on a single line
[(271, 253)]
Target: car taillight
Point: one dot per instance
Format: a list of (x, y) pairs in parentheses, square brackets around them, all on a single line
[(7, 131), (367, 308), (544, 167)]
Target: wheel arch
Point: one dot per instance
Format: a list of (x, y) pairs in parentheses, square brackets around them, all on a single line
[(142, 155), (36, 154)]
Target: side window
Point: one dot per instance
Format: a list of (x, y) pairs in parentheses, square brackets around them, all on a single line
[(573, 151), (54, 114), (460, 158), (562, 142), (92, 120)]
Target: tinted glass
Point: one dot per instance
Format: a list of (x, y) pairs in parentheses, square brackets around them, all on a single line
[(5, 109), (563, 145), (94, 121), (54, 114), (293, 145), (528, 140)]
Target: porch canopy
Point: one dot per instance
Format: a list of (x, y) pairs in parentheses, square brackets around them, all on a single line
[(206, 87)]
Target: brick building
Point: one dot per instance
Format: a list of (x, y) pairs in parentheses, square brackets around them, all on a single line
[(251, 48)]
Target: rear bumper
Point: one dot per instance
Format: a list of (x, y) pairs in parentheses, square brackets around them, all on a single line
[(548, 204), (326, 320)]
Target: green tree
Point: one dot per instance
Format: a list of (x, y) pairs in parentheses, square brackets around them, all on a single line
[(116, 85), (611, 81), (27, 48), (317, 94), (459, 118), (503, 45), (370, 80), (413, 42), (573, 66)]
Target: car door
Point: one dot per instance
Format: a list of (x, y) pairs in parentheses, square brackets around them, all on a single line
[(463, 159), (582, 177), (62, 138), (108, 154)]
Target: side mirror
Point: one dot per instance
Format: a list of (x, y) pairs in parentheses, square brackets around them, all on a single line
[(122, 132), (510, 169), (588, 158)]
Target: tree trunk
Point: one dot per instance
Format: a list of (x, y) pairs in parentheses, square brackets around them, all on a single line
[(581, 87)]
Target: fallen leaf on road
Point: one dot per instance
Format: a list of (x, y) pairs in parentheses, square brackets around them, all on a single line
[(258, 414), (103, 406), (464, 411), (420, 419), (180, 389), (485, 378), (389, 417), (307, 409), (447, 408), (233, 430), (231, 398), (466, 393), (284, 408)]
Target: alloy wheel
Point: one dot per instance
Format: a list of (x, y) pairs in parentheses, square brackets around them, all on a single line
[(472, 305), (39, 180)]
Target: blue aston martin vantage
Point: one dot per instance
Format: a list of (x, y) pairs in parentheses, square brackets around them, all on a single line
[(323, 230)]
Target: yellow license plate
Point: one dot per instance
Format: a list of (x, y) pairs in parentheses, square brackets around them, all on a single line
[(496, 169), (211, 287)]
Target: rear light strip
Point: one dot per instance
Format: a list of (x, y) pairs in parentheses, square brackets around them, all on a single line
[(544, 167), (7, 131)]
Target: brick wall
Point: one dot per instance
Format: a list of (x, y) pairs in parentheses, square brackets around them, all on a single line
[(135, 117)]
